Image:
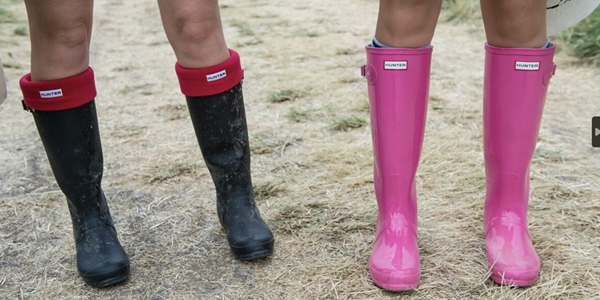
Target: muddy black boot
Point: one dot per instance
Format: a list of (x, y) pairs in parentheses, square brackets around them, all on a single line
[(72, 143), (220, 125), (214, 98)]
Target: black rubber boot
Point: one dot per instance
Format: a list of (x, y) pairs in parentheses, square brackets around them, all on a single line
[(72, 142), (220, 125)]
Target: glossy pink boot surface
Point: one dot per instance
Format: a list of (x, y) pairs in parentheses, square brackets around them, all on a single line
[(515, 85), (398, 82)]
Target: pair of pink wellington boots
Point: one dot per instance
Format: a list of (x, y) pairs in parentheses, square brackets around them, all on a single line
[(515, 85)]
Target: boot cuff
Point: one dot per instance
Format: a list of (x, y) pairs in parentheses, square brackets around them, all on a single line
[(520, 51), (404, 51), (211, 80), (59, 94)]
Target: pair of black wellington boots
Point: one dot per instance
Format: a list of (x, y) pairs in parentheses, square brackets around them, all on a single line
[(72, 142)]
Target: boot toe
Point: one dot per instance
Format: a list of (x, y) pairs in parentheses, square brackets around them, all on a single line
[(248, 235), (394, 279), (252, 247), (394, 263), (101, 260), (107, 273), (511, 256), (515, 274)]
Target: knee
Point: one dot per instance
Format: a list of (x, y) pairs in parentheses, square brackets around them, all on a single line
[(192, 31), (71, 36), (408, 23), (515, 22), (196, 35), (59, 50)]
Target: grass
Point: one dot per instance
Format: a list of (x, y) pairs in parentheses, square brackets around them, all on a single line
[(297, 116), (461, 10), (243, 27), (267, 190), (320, 215), (267, 144), (144, 89), (347, 51), (253, 41), (20, 31), (348, 123), (171, 172), (285, 95), (6, 16)]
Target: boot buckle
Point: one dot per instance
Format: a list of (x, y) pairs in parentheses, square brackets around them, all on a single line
[(27, 108)]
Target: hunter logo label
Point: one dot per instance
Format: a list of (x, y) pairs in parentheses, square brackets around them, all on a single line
[(527, 65), (216, 76), (395, 65), (51, 93)]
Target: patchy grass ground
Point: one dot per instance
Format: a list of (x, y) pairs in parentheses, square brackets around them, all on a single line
[(308, 118)]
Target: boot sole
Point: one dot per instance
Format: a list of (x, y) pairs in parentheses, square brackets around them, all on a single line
[(499, 279), (401, 284), (252, 253), (400, 287), (119, 278), (255, 255), (510, 277)]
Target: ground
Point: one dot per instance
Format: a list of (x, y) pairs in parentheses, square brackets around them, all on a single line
[(312, 165)]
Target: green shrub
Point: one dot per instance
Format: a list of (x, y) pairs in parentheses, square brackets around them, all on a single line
[(583, 40)]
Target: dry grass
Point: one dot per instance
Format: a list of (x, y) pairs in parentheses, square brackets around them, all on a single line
[(313, 184), (461, 10)]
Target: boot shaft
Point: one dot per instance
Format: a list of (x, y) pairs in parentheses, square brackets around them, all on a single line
[(71, 139), (398, 83), (220, 126), (515, 85)]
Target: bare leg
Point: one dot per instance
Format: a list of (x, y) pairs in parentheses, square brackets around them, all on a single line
[(60, 37), (515, 23), (407, 23), (194, 30)]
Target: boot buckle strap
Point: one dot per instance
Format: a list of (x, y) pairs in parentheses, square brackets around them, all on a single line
[(551, 71), (368, 71)]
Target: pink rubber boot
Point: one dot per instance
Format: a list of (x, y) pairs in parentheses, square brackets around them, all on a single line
[(515, 85), (398, 81)]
